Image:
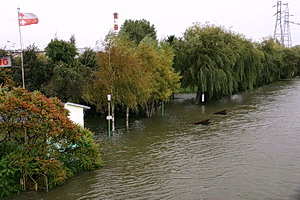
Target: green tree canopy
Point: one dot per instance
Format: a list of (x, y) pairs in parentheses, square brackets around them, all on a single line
[(69, 73), (89, 59), (37, 69), (136, 30), (60, 50), (158, 59), (135, 75), (120, 73)]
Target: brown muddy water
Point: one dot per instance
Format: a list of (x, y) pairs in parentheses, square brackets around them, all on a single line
[(252, 153)]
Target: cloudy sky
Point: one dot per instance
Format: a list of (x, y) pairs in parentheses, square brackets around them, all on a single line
[(91, 20)]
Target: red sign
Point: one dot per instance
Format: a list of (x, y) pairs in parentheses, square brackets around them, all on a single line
[(5, 61)]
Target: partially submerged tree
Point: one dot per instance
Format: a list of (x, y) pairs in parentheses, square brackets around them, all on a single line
[(158, 59), (39, 145), (121, 73), (219, 62), (135, 75)]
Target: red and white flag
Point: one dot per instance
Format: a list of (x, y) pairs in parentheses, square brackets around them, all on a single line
[(27, 19)]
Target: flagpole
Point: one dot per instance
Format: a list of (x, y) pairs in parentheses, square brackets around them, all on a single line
[(21, 44)]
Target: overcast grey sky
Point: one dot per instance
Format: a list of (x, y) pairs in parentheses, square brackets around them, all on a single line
[(91, 20)]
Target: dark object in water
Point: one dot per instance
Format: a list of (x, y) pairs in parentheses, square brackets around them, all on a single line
[(207, 121), (222, 112)]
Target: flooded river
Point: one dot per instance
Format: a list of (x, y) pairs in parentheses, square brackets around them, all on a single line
[(252, 153)]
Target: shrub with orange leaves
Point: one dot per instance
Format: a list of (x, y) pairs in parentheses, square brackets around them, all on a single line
[(37, 139)]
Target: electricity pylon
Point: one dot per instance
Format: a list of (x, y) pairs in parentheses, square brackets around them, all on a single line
[(287, 39), (278, 33)]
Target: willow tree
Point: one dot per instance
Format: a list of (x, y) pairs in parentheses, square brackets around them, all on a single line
[(208, 59), (272, 62), (296, 50), (220, 62), (248, 65)]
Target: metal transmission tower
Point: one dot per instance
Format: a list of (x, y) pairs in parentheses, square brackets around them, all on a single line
[(278, 33), (287, 38)]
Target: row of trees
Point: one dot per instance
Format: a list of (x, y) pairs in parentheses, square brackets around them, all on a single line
[(133, 66), (219, 62), (57, 72), (137, 75), (38, 143), (39, 146), (139, 71)]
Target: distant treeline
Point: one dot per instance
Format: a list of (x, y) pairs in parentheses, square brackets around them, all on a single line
[(219, 62), (140, 71)]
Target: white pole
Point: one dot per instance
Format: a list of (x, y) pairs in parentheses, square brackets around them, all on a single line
[(113, 117), (21, 45), (127, 117), (203, 98)]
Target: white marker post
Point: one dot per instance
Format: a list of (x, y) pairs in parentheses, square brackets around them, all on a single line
[(109, 117), (203, 98)]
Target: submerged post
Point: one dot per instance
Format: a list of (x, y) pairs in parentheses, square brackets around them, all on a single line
[(203, 97), (162, 108), (127, 117), (108, 114)]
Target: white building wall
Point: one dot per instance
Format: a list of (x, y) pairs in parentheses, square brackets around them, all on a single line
[(76, 114)]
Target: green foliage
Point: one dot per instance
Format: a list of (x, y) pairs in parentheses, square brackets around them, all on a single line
[(36, 137), (69, 74), (89, 59), (67, 82), (158, 58), (9, 174), (83, 155), (137, 30), (6, 77), (120, 73), (220, 62), (134, 75), (296, 52), (60, 50), (37, 70)]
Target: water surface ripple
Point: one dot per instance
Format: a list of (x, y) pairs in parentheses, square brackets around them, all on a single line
[(251, 153)]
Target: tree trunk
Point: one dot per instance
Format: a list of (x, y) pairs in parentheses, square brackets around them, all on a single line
[(149, 109), (199, 95)]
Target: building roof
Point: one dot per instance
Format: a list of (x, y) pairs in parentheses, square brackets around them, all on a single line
[(77, 105)]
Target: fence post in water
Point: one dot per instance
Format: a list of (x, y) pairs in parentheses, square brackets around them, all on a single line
[(203, 98), (108, 114), (162, 108), (112, 117), (127, 117)]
